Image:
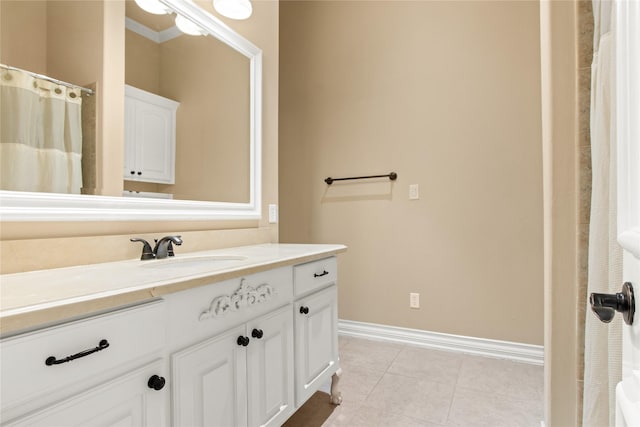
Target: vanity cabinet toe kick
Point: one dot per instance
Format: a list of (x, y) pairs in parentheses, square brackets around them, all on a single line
[(253, 349)]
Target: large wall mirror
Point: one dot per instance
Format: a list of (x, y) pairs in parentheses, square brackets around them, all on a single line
[(212, 84)]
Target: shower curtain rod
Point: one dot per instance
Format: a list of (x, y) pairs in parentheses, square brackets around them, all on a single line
[(51, 79)]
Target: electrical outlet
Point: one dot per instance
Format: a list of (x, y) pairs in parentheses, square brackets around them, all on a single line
[(273, 214), (414, 193), (414, 300)]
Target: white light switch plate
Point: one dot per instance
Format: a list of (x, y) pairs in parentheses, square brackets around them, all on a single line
[(414, 192), (414, 300), (273, 214)]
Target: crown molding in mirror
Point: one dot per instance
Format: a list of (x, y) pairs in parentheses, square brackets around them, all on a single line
[(26, 206)]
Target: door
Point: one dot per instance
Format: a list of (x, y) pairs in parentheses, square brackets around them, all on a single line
[(270, 368), (154, 141), (628, 147), (316, 341), (150, 136), (210, 382)]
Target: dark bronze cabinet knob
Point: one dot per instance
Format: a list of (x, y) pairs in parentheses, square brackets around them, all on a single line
[(304, 310), (257, 333), (156, 382), (243, 341)]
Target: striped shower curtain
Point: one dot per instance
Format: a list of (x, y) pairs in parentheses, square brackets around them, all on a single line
[(40, 135)]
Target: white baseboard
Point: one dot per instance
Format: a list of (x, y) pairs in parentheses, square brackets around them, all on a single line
[(527, 353)]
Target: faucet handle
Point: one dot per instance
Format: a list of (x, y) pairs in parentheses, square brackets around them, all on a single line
[(147, 252)]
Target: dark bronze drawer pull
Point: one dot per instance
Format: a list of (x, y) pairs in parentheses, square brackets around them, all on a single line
[(51, 360), (324, 273)]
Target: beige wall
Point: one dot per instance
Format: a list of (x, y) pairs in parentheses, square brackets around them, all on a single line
[(28, 246), (211, 82), (25, 21), (142, 62), (74, 41), (446, 94)]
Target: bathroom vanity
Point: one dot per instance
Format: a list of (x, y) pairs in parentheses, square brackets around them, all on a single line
[(233, 337)]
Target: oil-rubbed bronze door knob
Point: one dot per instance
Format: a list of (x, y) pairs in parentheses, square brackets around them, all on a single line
[(606, 305)]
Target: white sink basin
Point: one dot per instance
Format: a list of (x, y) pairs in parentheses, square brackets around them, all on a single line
[(193, 262)]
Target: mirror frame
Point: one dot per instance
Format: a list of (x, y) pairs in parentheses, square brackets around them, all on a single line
[(30, 206)]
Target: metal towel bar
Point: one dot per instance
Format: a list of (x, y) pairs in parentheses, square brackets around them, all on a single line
[(392, 176)]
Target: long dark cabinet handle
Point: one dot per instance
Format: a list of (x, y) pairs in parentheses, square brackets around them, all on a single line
[(324, 273), (52, 360)]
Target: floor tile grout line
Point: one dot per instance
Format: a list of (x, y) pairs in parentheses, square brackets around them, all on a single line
[(383, 374), (455, 389)]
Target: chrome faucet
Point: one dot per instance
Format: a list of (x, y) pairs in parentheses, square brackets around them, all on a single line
[(163, 248)]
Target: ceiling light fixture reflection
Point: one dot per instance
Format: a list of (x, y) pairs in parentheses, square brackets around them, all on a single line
[(188, 27), (234, 9), (153, 6)]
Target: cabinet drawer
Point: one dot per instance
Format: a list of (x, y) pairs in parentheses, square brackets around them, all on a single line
[(131, 334), (124, 400), (314, 275)]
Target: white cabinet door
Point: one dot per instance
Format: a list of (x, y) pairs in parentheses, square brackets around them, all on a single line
[(150, 135), (210, 384), (316, 341), (126, 401), (154, 136), (270, 368)]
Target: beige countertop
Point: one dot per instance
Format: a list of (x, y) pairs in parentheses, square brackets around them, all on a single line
[(38, 298)]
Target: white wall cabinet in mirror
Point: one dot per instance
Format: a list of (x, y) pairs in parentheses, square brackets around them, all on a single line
[(187, 203), (149, 137)]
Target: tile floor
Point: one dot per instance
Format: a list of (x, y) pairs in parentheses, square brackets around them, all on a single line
[(388, 385)]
